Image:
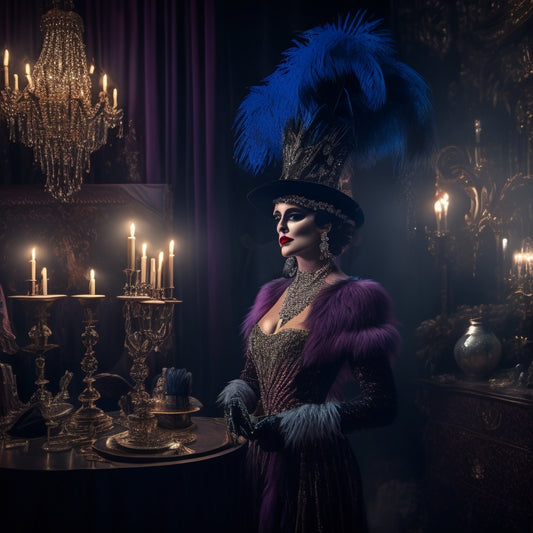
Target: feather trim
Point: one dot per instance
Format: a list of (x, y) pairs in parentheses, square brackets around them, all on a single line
[(310, 422), (237, 388), (351, 69)]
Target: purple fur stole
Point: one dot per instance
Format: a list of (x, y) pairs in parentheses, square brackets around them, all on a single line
[(349, 319)]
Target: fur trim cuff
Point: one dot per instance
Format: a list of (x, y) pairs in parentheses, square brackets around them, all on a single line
[(310, 422), (237, 388)]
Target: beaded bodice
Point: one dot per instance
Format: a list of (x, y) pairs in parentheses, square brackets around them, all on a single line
[(277, 360)]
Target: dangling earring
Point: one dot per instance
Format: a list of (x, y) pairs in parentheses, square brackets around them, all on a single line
[(324, 246), (290, 267)]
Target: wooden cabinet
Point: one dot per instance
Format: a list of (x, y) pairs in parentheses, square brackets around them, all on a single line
[(478, 443)]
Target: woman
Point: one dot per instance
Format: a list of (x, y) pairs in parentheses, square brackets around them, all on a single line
[(306, 339), (310, 334)]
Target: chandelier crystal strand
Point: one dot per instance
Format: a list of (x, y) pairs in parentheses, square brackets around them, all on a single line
[(54, 114)]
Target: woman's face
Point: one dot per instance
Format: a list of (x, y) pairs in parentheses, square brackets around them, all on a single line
[(297, 232)]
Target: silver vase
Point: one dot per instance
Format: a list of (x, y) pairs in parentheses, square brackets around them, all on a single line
[(478, 351)]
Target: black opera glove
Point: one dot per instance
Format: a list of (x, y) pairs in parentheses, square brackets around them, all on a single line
[(268, 434), (238, 419)]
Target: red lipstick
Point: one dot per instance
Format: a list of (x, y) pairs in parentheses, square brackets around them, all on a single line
[(284, 239)]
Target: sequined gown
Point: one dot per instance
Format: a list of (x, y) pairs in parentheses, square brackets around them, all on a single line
[(315, 487)]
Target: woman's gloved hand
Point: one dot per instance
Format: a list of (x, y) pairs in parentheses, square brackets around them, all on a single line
[(238, 419), (268, 434)]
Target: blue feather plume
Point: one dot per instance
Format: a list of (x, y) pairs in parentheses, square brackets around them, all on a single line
[(347, 72)]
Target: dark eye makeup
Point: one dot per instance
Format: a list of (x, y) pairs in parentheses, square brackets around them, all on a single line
[(290, 214)]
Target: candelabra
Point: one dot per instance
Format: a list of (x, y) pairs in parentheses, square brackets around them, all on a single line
[(39, 333), (132, 286), (89, 418), (148, 325)]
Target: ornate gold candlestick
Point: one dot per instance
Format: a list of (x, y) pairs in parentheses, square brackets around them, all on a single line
[(89, 418), (148, 324), (39, 333)]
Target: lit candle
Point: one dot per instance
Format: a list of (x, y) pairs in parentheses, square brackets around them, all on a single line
[(92, 283), (505, 260), (28, 75), (104, 83), (477, 154), (520, 263), (91, 69), (171, 264), (115, 97), (131, 247), (143, 264), (32, 262), (477, 130), (16, 77), (152, 272), (445, 201), (44, 274), (160, 269), (6, 68), (438, 215)]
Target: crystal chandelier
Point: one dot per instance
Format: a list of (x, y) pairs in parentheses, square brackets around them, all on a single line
[(53, 114)]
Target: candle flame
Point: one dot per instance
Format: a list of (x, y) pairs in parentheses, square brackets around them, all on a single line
[(104, 83), (132, 229), (33, 254), (6, 58), (171, 248), (92, 274), (161, 255), (442, 203), (144, 250), (27, 69)]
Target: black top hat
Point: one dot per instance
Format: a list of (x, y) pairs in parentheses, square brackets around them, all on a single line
[(264, 196), (314, 168)]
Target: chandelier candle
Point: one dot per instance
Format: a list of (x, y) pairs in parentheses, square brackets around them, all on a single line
[(28, 75), (131, 248), (16, 78), (115, 98)]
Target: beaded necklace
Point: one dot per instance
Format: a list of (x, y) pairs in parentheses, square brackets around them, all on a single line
[(302, 291)]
